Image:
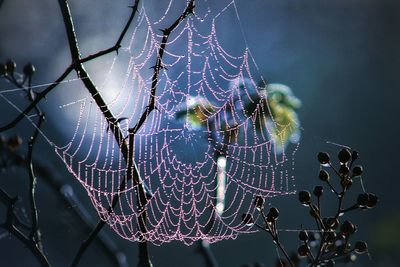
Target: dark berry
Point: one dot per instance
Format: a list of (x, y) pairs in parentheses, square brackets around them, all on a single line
[(372, 200), (259, 202), (323, 175), (273, 214), (303, 235), (303, 250), (29, 69), (357, 171), (323, 158), (305, 197), (11, 66), (318, 191), (344, 155), (363, 199), (346, 183), (360, 247), (347, 228)]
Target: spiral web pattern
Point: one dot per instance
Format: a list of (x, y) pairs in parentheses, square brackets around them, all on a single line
[(199, 177)]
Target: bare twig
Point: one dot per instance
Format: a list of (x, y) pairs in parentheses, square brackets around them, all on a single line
[(35, 234), (133, 172), (9, 226)]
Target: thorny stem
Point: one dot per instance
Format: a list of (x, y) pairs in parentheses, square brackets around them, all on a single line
[(133, 172), (35, 234), (9, 226)]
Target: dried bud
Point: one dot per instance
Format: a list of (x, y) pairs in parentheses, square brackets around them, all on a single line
[(11, 66), (362, 200), (303, 250), (372, 200), (259, 202), (305, 197), (323, 175), (360, 247), (347, 228), (318, 191), (303, 235), (357, 171), (344, 155), (323, 158), (273, 214), (29, 69)]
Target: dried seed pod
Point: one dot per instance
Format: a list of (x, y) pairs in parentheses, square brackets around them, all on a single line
[(11, 66), (323, 175), (344, 155), (347, 228), (305, 197), (372, 200), (303, 250), (303, 235), (323, 158), (362, 200), (360, 247), (273, 214), (29, 69), (259, 202), (357, 171), (318, 191)]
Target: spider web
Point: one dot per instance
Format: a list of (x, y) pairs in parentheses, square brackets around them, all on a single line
[(202, 155)]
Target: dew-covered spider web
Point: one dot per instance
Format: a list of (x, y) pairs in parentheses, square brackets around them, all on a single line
[(218, 137)]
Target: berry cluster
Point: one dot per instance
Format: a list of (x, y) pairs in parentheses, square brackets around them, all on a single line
[(331, 242)]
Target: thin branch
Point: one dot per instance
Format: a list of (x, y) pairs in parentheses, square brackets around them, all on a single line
[(117, 45), (131, 167), (9, 226), (35, 234), (133, 172), (158, 66), (35, 102)]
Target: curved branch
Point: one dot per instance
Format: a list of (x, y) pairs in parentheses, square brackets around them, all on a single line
[(9, 226), (36, 101)]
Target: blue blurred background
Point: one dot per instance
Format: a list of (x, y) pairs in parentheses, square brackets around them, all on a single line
[(341, 58)]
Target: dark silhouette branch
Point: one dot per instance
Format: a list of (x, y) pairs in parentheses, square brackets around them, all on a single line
[(35, 234), (39, 96), (113, 126), (158, 66), (8, 225)]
